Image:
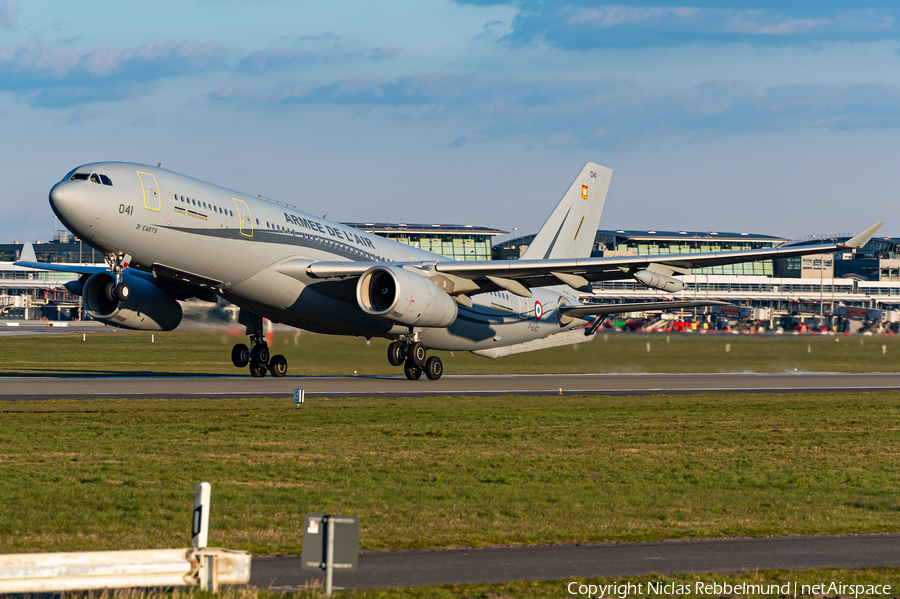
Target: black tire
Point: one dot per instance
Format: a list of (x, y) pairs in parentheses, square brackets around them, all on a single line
[(257, 370), (395, 353), (123, 291), (412, 371), (278, 366), (110, 291), (240, 355), (434, 368), (260, 354), (417, 354)]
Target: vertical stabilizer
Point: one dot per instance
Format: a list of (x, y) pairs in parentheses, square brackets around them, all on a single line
[(571, 228)]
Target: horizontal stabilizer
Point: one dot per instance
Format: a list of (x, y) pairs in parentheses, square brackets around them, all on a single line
[(28, 259), (863, 238), (582, 310)]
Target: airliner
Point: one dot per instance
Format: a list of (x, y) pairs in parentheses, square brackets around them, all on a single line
[(168, 237)]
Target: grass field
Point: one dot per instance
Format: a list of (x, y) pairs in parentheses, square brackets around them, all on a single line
[(444, 472), (209, 353)]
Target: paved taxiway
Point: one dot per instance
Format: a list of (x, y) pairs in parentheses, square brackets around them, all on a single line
[(173, 387), (421, 568)]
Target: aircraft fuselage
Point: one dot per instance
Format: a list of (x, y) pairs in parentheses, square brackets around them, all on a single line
[(175, 225)]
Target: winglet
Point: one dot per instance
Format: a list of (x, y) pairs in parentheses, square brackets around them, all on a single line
[(27, 254), (863, 238)]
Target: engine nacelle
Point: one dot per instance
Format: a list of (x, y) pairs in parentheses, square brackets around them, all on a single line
[(655, 280), (148, 308), (398, 295)]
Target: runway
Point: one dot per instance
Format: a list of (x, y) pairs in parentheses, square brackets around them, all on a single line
[(506, 564), (19, 328), (168, 387)]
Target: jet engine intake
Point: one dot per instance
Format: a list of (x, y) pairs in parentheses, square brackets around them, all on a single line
[(400, 296), (655, 280), (148, 308)]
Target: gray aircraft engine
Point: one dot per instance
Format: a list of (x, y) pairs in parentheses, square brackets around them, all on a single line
[(398, 295), (148, 308)]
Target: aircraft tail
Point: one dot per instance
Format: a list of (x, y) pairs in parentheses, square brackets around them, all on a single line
[(571, 228)]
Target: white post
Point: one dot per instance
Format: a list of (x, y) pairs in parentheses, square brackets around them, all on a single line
[(200, 525), (329, 556), (209, 573)]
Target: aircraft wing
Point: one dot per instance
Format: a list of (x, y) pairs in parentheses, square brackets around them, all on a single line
[(516, 276), (536, 273), (28, 259)]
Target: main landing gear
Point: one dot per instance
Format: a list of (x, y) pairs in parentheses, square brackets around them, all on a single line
[(257, 355), (410, 352)]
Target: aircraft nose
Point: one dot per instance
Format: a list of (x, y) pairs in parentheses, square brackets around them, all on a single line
[(65, 197)]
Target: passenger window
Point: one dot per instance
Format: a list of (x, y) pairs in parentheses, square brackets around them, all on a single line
[(95, 178), (79, 177), (230, 213), (106, 180)]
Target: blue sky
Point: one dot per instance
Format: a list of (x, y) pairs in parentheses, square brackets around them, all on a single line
[(765, 117)]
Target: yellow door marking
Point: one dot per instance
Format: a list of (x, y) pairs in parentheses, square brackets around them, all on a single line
[(246, 222), (151, 191)]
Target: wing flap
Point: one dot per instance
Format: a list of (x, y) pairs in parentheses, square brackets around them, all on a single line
[(582, 310)]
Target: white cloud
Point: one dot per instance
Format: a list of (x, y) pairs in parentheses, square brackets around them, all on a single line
[(37, 60), (610, 16)]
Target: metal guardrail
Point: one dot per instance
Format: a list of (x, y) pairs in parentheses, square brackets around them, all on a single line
[(198, 565)]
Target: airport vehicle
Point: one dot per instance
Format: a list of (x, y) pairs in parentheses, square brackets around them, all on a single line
[(168, 237)]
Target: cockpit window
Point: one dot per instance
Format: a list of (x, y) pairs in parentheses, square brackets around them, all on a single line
[(69, 174), (95, 177), (79, 177)]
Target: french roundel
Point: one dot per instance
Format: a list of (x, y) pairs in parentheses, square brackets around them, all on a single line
[(538, 310)]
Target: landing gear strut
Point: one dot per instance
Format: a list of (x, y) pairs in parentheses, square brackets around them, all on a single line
[(257, 355), (410, 352), (118, 290)]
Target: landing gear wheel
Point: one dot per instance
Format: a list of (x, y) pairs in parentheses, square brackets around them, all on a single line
[(278, 366), (110, 291), (417, 354), (412, 371), (240, 355), (434, 368), (260, 354), (258, 370), (123, 291), (395, 353)]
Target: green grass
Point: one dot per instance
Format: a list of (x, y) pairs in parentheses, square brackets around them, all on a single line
[(867, 577), (209, 353), (445, 472)]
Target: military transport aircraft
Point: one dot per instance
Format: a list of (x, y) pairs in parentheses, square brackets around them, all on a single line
[(168, 237)]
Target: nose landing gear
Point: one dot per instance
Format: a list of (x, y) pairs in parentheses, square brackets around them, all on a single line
[(410, 352), (118, 291), (257, 355)]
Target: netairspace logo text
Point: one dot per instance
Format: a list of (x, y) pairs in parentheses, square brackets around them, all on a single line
[(623, 590)]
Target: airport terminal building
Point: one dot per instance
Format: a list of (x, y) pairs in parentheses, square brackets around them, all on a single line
[(817, 285)]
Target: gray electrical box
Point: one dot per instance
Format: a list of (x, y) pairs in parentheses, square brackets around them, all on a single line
[(315, 541)]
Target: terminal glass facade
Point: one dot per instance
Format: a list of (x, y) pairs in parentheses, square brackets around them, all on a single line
[(695, 245), (459, 242)]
